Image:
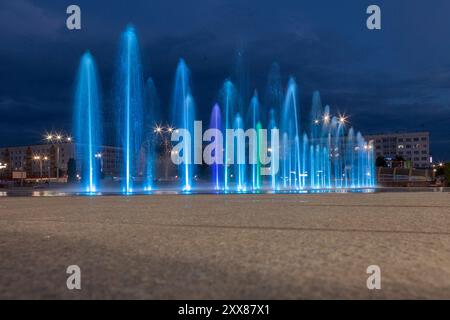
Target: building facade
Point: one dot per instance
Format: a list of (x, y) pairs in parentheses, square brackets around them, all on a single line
[(414, 147), (45, 160)]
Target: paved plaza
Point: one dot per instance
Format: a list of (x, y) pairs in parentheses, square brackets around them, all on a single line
[(268, 246)]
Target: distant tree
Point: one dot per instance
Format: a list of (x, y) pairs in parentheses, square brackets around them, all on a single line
[(443, 171), (72, 170), (446, 172), (440, 171), (380, 162), (398, 162)]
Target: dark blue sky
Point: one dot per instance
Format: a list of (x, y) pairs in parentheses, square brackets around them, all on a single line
[(396, 79)]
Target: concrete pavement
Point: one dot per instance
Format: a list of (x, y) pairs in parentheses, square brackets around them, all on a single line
[(269, 246)]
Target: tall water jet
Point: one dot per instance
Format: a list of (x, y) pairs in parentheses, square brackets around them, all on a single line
[(371, 164), (183, 116), (316, 117), (327, 146), (239, 152), (361, 159), (273, 144), (258, 178), (305, 161), (274, 93), (253, 152), (216, 123), (350, 159), (129, 105), (87, 122), (312, 166), (242, 81), (151, 119), (273, 102), (317, 164), (290, 145), (334, 150), (228, 101), (339, 152)]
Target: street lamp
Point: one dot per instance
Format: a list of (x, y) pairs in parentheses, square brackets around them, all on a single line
[(40, 158), (158, 129), (3, 166), (163, 133), (342, 119), (99, 158), (56, 139)]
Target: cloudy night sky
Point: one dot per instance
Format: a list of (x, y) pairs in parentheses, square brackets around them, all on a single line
[(394, 79)]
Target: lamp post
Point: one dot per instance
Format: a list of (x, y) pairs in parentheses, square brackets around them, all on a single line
[(3, 166), (38, 158), (99, 157), (164, 133), (342, 119), (48, 168), (57, 139)]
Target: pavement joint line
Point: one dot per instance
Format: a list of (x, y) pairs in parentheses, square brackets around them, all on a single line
[(258, 228), (302, 204), (368, 205)]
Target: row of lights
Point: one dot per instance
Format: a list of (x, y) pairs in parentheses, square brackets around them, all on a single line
[(169, 129), (440, 164), (326, 119), (57, 137), (38, 157), (162, 129)]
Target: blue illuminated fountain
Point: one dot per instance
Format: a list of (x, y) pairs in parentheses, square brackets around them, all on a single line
[(183, 116), (316, 152), (350, 156), (316, 149), (151, 117), (88, 123), (254, 122), (216, 123), (129, 116), (239, 155), (274, 102), (290, 141), (228, 101)]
